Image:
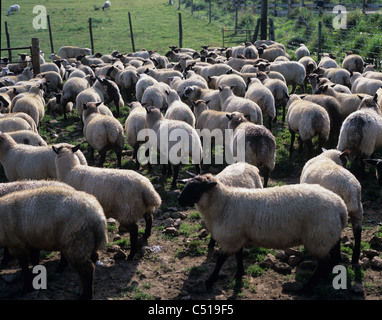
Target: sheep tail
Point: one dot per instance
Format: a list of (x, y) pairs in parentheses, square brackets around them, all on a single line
[(151, 198)]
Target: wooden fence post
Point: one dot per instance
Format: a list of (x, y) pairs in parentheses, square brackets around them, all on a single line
[(275, 8), (50, 35), (131, 33), (8, 42), (180, 30), (209, 11), (319, 41), (91, 35), (264, 20), (271, 30), (35, 52)]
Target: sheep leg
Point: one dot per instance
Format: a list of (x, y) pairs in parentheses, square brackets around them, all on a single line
[(198, 168), (91, 153), (270, 120), (292, 138), (118, 152), (322, 269), (267, 172), (63, 264), (135, 155), (34, 256), (212, 243), (240, 266), (309, 148), (23, 262), (149, 222), (133, 230), (357, 230), (175, 176), (293, 88), (222, 257), (85, 271), (102, 157)]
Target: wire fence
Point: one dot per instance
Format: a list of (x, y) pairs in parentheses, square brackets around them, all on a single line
[(242, 16)]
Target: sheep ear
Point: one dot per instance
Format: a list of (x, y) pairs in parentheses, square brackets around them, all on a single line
[(375, 98), (98, 103), (345, 153), (360, 97), (192, 175), (229, 116), (220, 88), (76, 148), (55, 149), (84, 106), (247, 116)]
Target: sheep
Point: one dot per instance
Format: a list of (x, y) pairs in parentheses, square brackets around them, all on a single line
[(308, 119), (234, 81), (25, 75), (21, 161), (260, 144), (327, 170), (71, 89), (13, 8), (360, 84), (377, 163), (192, 79), (124, 195), (163, 75), (50, 66), (66, 52), (32, 103), (90, 61), (194, 93), (230, 102), (348, 102), (54, 105), (24, 60), (84, 223), (279, 90), (156, 96), (316, 81), (263, 97), (327, 62), (189, 146), (23, 116), (336, 75), (178, 110), (302, 51), (102, 132), (353, 62), (361, 131), (96, 93), (332, 106), (144, 81), (214, 70), (135, 123), (27, 137), (9, 124), (209, 119), (53, 80), (271, 53), (238, 63), (113, 95), (293, 72), (250, 51), (106, 5), (279, 217), (126, 80)]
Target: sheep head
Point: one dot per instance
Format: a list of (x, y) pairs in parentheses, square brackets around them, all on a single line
[(195, 188)]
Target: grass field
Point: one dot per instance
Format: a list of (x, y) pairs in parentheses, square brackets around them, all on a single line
[(155, 26)]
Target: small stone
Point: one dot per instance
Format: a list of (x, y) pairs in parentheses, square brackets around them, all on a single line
[(294, 252), (177, 223), (182, 215), (172, 209), (280, 255), (111, 221), (370, 253), (365, 263), (294, 260), (171, 230), (120, 255), (268, 262), (376, 243), (376, 263), (169, 222), (282, 267), (113, 248)]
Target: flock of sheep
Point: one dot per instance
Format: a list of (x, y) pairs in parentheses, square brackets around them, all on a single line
[(56, 201)]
